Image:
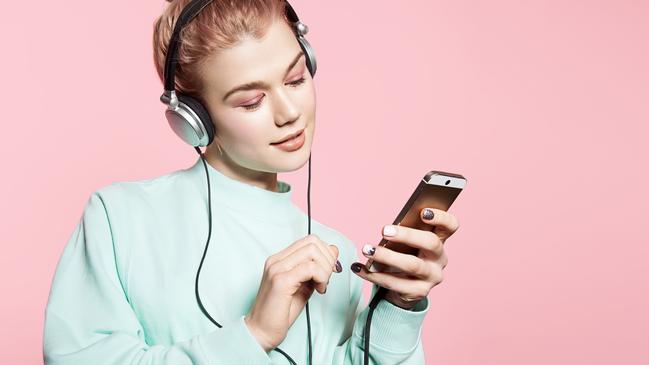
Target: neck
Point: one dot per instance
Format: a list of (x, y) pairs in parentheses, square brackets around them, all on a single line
[(224, 164)]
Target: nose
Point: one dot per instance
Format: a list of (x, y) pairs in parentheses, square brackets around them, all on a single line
[(286, 110)]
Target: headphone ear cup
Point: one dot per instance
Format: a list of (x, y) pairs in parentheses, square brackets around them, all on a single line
[(191, 121), (203, 114)]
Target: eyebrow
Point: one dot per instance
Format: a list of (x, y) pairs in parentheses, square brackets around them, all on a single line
[(261, 84)]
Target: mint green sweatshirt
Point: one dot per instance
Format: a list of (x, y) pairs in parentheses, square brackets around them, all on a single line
[(123, 290)]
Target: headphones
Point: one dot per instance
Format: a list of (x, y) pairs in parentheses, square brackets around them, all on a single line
[(188, 118), (191, 121)]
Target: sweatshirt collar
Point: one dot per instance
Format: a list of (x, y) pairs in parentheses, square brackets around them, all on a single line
[(249, 199)]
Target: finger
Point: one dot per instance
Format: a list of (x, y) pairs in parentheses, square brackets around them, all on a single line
[(331, 253), (327, 251), (397, 282), (442, 260), (309, 252), (302, 273), (335, 252), (446, 223), (294, 247), (407, 263), (424, 240)]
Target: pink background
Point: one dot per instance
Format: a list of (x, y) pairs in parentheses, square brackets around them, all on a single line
[(542, 105)]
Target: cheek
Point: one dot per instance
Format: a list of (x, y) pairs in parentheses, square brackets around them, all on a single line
[(245, 132), (307, 98)]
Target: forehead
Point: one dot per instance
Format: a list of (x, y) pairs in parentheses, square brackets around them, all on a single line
[(263, 59)]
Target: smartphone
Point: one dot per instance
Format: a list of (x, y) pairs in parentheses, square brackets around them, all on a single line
[(437, 189)]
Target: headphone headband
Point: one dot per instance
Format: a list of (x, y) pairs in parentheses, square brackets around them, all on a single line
[(186, 16)]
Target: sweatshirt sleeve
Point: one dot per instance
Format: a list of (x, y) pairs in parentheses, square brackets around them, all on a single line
[(394, 331), (88, 319)]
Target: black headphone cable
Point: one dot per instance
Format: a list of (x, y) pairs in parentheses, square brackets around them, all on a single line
[(380, 294), (198, 272)]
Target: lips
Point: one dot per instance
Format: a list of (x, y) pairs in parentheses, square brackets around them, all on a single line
[(292, 144), (290, 136)]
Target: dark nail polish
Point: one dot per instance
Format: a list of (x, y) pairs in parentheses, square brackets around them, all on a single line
[(339, 267), (356, 267), (428, 214)]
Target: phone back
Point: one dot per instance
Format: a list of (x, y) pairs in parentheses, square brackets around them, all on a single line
[(437, 190)]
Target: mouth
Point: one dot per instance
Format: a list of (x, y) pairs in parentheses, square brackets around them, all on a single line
[(292, 142), (289, 137)]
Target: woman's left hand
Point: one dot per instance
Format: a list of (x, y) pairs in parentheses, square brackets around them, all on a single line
[(419, 273)]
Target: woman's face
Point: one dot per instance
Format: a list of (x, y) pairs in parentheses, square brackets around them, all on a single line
[(279, 101)]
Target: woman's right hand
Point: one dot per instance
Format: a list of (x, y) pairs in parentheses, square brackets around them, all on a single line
[(289, 278)]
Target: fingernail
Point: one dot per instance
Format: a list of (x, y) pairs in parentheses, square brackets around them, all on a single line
[(389, 230), (428, 214), (339, 267), (356, 267), (369, 249)]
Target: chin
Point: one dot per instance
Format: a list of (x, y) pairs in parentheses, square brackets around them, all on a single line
[(291, 161), (283, 161)]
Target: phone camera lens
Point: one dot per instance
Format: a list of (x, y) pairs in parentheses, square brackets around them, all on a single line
[(448, 182)]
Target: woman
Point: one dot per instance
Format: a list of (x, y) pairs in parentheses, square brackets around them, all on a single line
[(123, 291)]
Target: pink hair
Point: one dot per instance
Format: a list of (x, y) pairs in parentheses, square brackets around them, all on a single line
[(219, 25)]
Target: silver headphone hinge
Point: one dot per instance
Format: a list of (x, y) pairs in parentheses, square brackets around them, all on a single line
[(301, 28), (169, 98)]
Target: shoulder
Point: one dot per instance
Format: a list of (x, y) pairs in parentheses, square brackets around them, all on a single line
[(148, 193), (131, 210)]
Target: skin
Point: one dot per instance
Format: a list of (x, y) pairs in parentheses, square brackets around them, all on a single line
[(244, 135), (242, 151), (419, 273)]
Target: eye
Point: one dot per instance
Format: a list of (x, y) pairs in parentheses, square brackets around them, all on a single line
[(297, 82), (252, 106), (256, 105)]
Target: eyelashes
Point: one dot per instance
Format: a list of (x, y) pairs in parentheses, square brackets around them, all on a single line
[(254, 106), (297, 82)]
